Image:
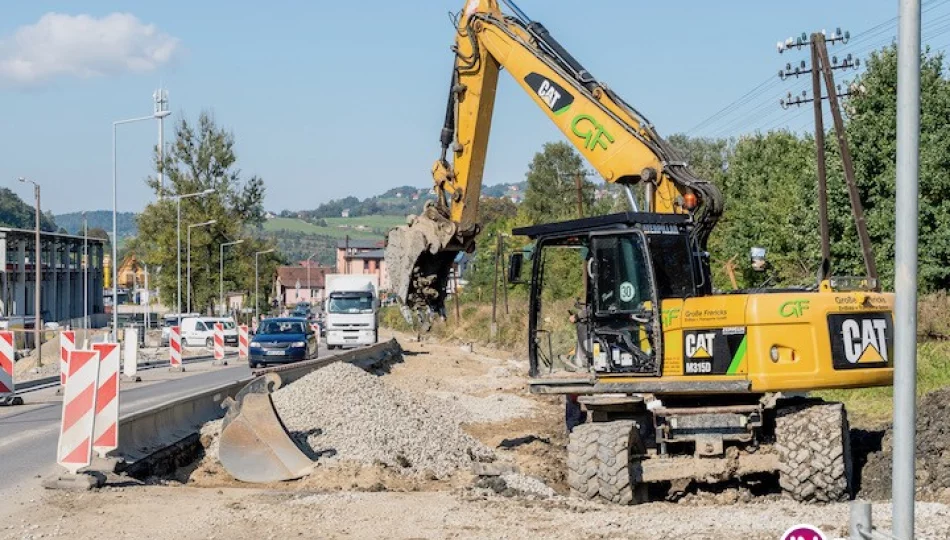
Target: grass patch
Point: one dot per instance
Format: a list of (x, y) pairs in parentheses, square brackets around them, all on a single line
[(300, 226)]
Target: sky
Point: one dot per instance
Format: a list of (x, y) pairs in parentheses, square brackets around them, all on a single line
[(331, 99)]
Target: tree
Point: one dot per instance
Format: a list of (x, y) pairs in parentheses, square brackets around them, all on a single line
[(551, 194), (202, 157)]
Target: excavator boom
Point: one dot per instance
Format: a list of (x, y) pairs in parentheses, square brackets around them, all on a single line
[(618, 142)]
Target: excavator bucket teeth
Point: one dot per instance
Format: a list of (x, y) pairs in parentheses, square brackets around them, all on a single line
[(254, 445), (418, 263)]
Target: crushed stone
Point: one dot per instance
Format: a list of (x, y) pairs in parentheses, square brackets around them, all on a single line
[(492, 408), (342, 413)]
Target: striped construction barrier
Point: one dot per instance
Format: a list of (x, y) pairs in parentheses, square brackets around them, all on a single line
[(130, 367), (105, 436), (74, 450), (174, 348), (219, 343), (243, 342), (6, 366), (67, 343)]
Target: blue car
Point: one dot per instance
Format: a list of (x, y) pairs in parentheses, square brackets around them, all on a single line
[(281, 341)]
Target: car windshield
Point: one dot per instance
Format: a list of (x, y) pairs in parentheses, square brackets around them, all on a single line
[(281, 327), (351, 303), (228, 325)]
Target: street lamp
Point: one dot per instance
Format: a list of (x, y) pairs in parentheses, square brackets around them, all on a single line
[(85, 276), (257, 284), (37, 270), (157, 115), (178, 199), (192, 226), (221, 272)]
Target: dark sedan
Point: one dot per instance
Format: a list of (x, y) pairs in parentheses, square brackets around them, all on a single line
[(281, 341)]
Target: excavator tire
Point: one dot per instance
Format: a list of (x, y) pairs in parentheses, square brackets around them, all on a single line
[(814, 446), (582, 462), (619, 471)]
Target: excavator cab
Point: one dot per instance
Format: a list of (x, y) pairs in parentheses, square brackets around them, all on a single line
[(618, 268)]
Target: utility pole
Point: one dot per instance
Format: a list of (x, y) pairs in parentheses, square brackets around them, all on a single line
[(494, 298), (822, 67), (161, 111), (579, 183), (37, 273)]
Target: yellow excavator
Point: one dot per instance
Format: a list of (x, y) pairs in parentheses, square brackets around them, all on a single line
[(682, 383)]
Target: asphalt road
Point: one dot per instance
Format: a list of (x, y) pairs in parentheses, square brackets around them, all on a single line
[(29, 433)]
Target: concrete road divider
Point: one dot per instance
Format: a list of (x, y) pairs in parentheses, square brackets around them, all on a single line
[(67, 343), (219, 344), (7, 387), (174, 349), (243, 342), (74, 450), (105, 438)]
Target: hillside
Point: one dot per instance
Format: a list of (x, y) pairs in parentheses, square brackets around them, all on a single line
[(17, 214), (125, 222)]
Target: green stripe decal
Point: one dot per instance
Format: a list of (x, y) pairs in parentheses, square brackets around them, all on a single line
[(562, 110), (737, 358)]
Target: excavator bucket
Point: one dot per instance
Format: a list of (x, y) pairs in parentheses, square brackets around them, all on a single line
[(419, 261), (254, 445)]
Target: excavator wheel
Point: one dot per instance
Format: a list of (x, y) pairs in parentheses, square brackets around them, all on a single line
[(582, 460), (619, 472), (813, 441)]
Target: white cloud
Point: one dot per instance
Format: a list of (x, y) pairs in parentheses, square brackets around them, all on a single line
[(82, 46)]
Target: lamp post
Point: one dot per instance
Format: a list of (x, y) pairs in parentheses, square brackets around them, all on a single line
[(257, 284), (85, 276), (192, 226), (157, 115), (309, 286), (178, 199), (37, 271), (221, 273)]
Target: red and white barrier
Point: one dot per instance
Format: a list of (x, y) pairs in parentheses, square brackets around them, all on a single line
[(106, 435), (243, 342), (6, 365), (174, 347), (218, 342), (67, 343), (74, 450)]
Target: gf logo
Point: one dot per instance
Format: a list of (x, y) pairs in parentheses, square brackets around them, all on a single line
[(793, 308), (670, 315), (585, 127)]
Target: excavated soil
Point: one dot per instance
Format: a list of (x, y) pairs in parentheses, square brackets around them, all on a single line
[(933, 453)]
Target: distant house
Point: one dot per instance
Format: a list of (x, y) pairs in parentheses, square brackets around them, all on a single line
[(292, 286), (363, 257), (345, 213)]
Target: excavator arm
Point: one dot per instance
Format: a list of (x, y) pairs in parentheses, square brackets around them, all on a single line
[(617, 141)]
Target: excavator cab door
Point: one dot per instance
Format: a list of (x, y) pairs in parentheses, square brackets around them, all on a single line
[(624, 305)]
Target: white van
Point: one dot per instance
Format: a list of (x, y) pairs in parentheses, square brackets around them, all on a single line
[(199, 331)]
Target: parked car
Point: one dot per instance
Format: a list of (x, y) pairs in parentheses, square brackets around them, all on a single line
[(170, 320), (282, 340), (199, 331)]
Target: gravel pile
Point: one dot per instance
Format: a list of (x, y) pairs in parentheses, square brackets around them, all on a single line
[(342, 413), (933, 453), (493, 408)]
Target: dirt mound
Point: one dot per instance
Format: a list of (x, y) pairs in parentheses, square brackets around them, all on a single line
[(932, 450)]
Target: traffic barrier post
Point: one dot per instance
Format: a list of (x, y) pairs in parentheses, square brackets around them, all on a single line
[(243, 341), (105, 437), (219, 344), (174, 348), (67, 343), (74, 450), (130, 365), (7, 360)]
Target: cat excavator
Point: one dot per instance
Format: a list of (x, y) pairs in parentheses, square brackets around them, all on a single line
[(682, 383)]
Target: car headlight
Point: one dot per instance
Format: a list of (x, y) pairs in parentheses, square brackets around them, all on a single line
[(299, 344), (255, 344)]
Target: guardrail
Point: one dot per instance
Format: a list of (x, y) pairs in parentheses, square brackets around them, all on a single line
[(146, 432)]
